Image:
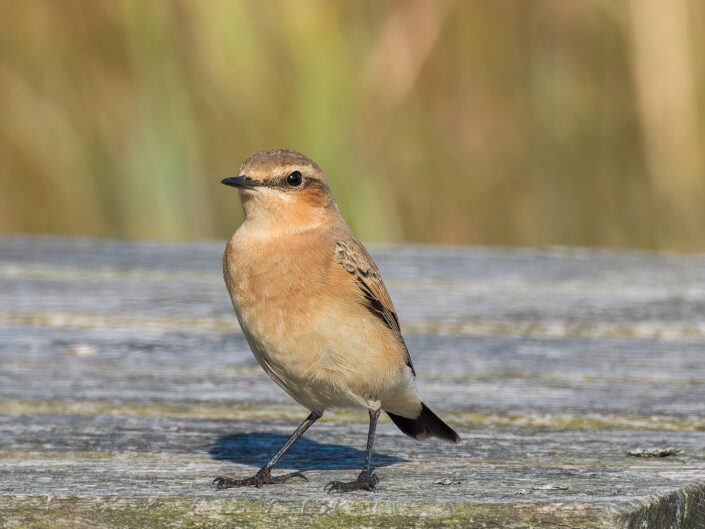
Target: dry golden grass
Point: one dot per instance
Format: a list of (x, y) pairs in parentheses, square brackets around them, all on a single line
[(497, 122)]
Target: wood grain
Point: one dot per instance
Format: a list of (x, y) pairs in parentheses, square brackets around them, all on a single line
[(126, 387)]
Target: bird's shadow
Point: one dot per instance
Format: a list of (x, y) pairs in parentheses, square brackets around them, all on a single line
[(255, 449)]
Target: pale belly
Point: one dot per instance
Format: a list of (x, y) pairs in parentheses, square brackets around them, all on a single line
[(324, 359)]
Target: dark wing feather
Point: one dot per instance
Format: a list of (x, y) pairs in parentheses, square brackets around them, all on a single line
[(353, 257)]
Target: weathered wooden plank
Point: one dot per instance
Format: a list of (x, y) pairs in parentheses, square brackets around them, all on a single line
[(441, 290), (125, 387), (484, 375)]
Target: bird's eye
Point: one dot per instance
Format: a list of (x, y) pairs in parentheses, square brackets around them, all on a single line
[(294, 179)]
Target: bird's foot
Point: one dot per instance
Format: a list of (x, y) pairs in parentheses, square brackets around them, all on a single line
[(367, 480), (263, 477)]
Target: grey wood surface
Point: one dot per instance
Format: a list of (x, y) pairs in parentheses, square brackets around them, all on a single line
[(126, 387)]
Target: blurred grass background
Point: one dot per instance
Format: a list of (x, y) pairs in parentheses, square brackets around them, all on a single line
[(470, 122)]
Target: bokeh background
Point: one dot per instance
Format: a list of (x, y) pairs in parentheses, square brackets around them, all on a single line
[(463, 122)]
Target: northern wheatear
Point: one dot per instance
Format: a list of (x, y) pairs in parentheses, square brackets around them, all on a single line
[(314, 309)]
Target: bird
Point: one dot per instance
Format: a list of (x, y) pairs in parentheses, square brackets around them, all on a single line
[(315, 312)]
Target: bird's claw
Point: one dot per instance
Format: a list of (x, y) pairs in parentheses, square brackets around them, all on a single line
[(365, 481), (263, 477)]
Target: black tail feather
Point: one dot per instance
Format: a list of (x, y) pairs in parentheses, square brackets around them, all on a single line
[(428, 424)]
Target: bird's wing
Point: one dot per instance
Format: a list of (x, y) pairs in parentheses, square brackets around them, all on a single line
[(353, 257)]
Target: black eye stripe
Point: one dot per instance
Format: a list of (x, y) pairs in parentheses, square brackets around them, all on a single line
[(281, 183)]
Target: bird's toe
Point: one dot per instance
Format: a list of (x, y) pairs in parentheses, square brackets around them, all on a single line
[(365, 481), (263, 477), (222, 482)]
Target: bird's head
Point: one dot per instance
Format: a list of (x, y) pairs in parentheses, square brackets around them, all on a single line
[(281, 187)]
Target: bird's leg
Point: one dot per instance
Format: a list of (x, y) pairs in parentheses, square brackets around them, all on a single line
[(367, 480), (263, 476)]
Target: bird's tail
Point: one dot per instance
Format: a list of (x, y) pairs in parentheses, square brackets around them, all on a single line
[(427, 424)]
